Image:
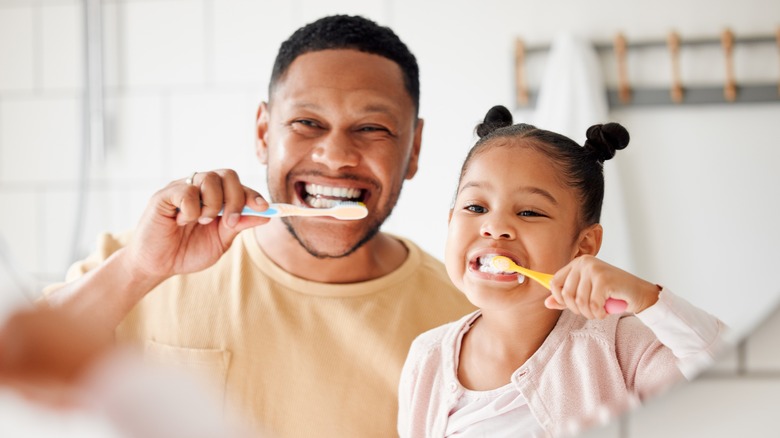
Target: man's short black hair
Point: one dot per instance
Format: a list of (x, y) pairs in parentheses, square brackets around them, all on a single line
[(349, 32)]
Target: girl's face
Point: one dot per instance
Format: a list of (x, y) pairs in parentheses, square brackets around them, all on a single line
[(511, 202)]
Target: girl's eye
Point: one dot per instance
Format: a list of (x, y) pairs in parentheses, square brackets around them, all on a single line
[(529, 213), (475, 208)]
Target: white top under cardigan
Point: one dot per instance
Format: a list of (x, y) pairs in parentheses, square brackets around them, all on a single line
[(585, 372)]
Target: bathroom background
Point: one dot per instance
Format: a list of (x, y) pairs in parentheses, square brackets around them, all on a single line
[(700, 190)]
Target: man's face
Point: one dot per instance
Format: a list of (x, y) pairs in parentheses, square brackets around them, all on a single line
[(340, 126)]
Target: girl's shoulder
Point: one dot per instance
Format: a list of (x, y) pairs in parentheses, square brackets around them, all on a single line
[(434, 337), (439, 344), (605, 329), (618, 330)]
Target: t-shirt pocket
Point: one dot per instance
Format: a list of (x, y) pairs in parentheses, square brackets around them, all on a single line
[(208, 365)]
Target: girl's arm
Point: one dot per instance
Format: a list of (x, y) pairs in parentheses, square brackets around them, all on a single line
[(694, 336)]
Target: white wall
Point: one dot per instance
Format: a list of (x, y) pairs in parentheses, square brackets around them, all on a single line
[(183, 78)]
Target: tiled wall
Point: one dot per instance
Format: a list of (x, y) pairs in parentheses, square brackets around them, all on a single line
[(182, 98), (191, 110)]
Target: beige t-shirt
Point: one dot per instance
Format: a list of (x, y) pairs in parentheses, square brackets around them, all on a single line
[(294, 358)]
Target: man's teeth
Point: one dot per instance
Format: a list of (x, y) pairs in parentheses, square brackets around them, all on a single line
[(322, 202), (319, 196), (333, 192)]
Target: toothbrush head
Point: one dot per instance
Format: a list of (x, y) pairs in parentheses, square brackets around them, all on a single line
[(502, 263), (349, 211)]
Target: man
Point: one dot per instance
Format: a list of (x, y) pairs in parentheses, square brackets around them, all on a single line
[(303, 323)]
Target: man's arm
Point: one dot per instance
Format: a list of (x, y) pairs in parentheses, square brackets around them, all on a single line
[(179, 232), (106, 294)]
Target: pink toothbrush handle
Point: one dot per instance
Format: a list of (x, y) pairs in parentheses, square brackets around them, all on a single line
[(615, 306)]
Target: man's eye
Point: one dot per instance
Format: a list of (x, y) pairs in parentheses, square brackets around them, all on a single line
[(305, 122), (373, 129), (476, 208)]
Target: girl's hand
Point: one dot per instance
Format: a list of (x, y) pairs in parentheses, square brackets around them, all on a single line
[(584, 285)]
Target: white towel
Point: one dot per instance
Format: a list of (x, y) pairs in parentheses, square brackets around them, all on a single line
[(572, 97)]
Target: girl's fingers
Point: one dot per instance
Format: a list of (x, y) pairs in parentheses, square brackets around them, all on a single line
[(569, 290), (584, 296), (597, 302), (551, 303), (556, 285)]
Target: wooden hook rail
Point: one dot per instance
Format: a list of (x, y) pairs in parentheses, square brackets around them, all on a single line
[(521, 86), (676, 92)]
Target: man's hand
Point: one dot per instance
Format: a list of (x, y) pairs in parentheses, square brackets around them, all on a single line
[(181, 232)]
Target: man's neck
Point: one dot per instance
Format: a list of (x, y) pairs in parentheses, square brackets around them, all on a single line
[(377, 257)]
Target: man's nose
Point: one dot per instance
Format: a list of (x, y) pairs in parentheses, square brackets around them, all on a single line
[(336, 150)]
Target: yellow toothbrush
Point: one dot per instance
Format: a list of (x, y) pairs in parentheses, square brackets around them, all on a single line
[(507, 265)]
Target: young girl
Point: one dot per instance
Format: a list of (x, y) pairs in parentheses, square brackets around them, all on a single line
[(533, 362)]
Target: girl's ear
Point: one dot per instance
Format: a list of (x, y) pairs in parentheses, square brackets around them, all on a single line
[(589, 241), (449, 217)]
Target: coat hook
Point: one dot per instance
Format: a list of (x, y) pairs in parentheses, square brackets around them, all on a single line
[(777, 38), (730, 87), (521, 85), (676, 91), (624, 90)]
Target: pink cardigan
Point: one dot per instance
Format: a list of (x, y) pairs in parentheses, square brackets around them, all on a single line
[(584, 373)]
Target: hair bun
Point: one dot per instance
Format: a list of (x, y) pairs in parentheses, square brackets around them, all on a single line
[(605, 140), (496, 117)]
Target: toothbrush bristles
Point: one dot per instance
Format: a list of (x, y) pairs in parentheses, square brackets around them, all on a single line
[(500, 262)]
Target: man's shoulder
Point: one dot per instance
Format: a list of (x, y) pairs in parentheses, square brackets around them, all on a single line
[(429, 267), (432, 288)]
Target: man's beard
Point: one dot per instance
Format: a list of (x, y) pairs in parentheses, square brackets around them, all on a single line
[(372, 231)]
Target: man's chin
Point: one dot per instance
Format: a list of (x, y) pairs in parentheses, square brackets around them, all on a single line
[(324, 244)]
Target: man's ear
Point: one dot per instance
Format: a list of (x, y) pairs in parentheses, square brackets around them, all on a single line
[(589, 241), (414, 155), (261, 132)]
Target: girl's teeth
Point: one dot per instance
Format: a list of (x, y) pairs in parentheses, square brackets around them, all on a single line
[(520, 278), (486, 265), (489, 269)]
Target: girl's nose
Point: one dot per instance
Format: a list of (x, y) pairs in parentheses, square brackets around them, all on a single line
[(497, 229), (336, 151)]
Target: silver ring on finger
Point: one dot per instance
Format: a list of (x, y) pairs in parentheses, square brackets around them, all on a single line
[(190, 181)]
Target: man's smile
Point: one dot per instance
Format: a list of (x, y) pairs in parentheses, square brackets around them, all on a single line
[(325, 196)]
